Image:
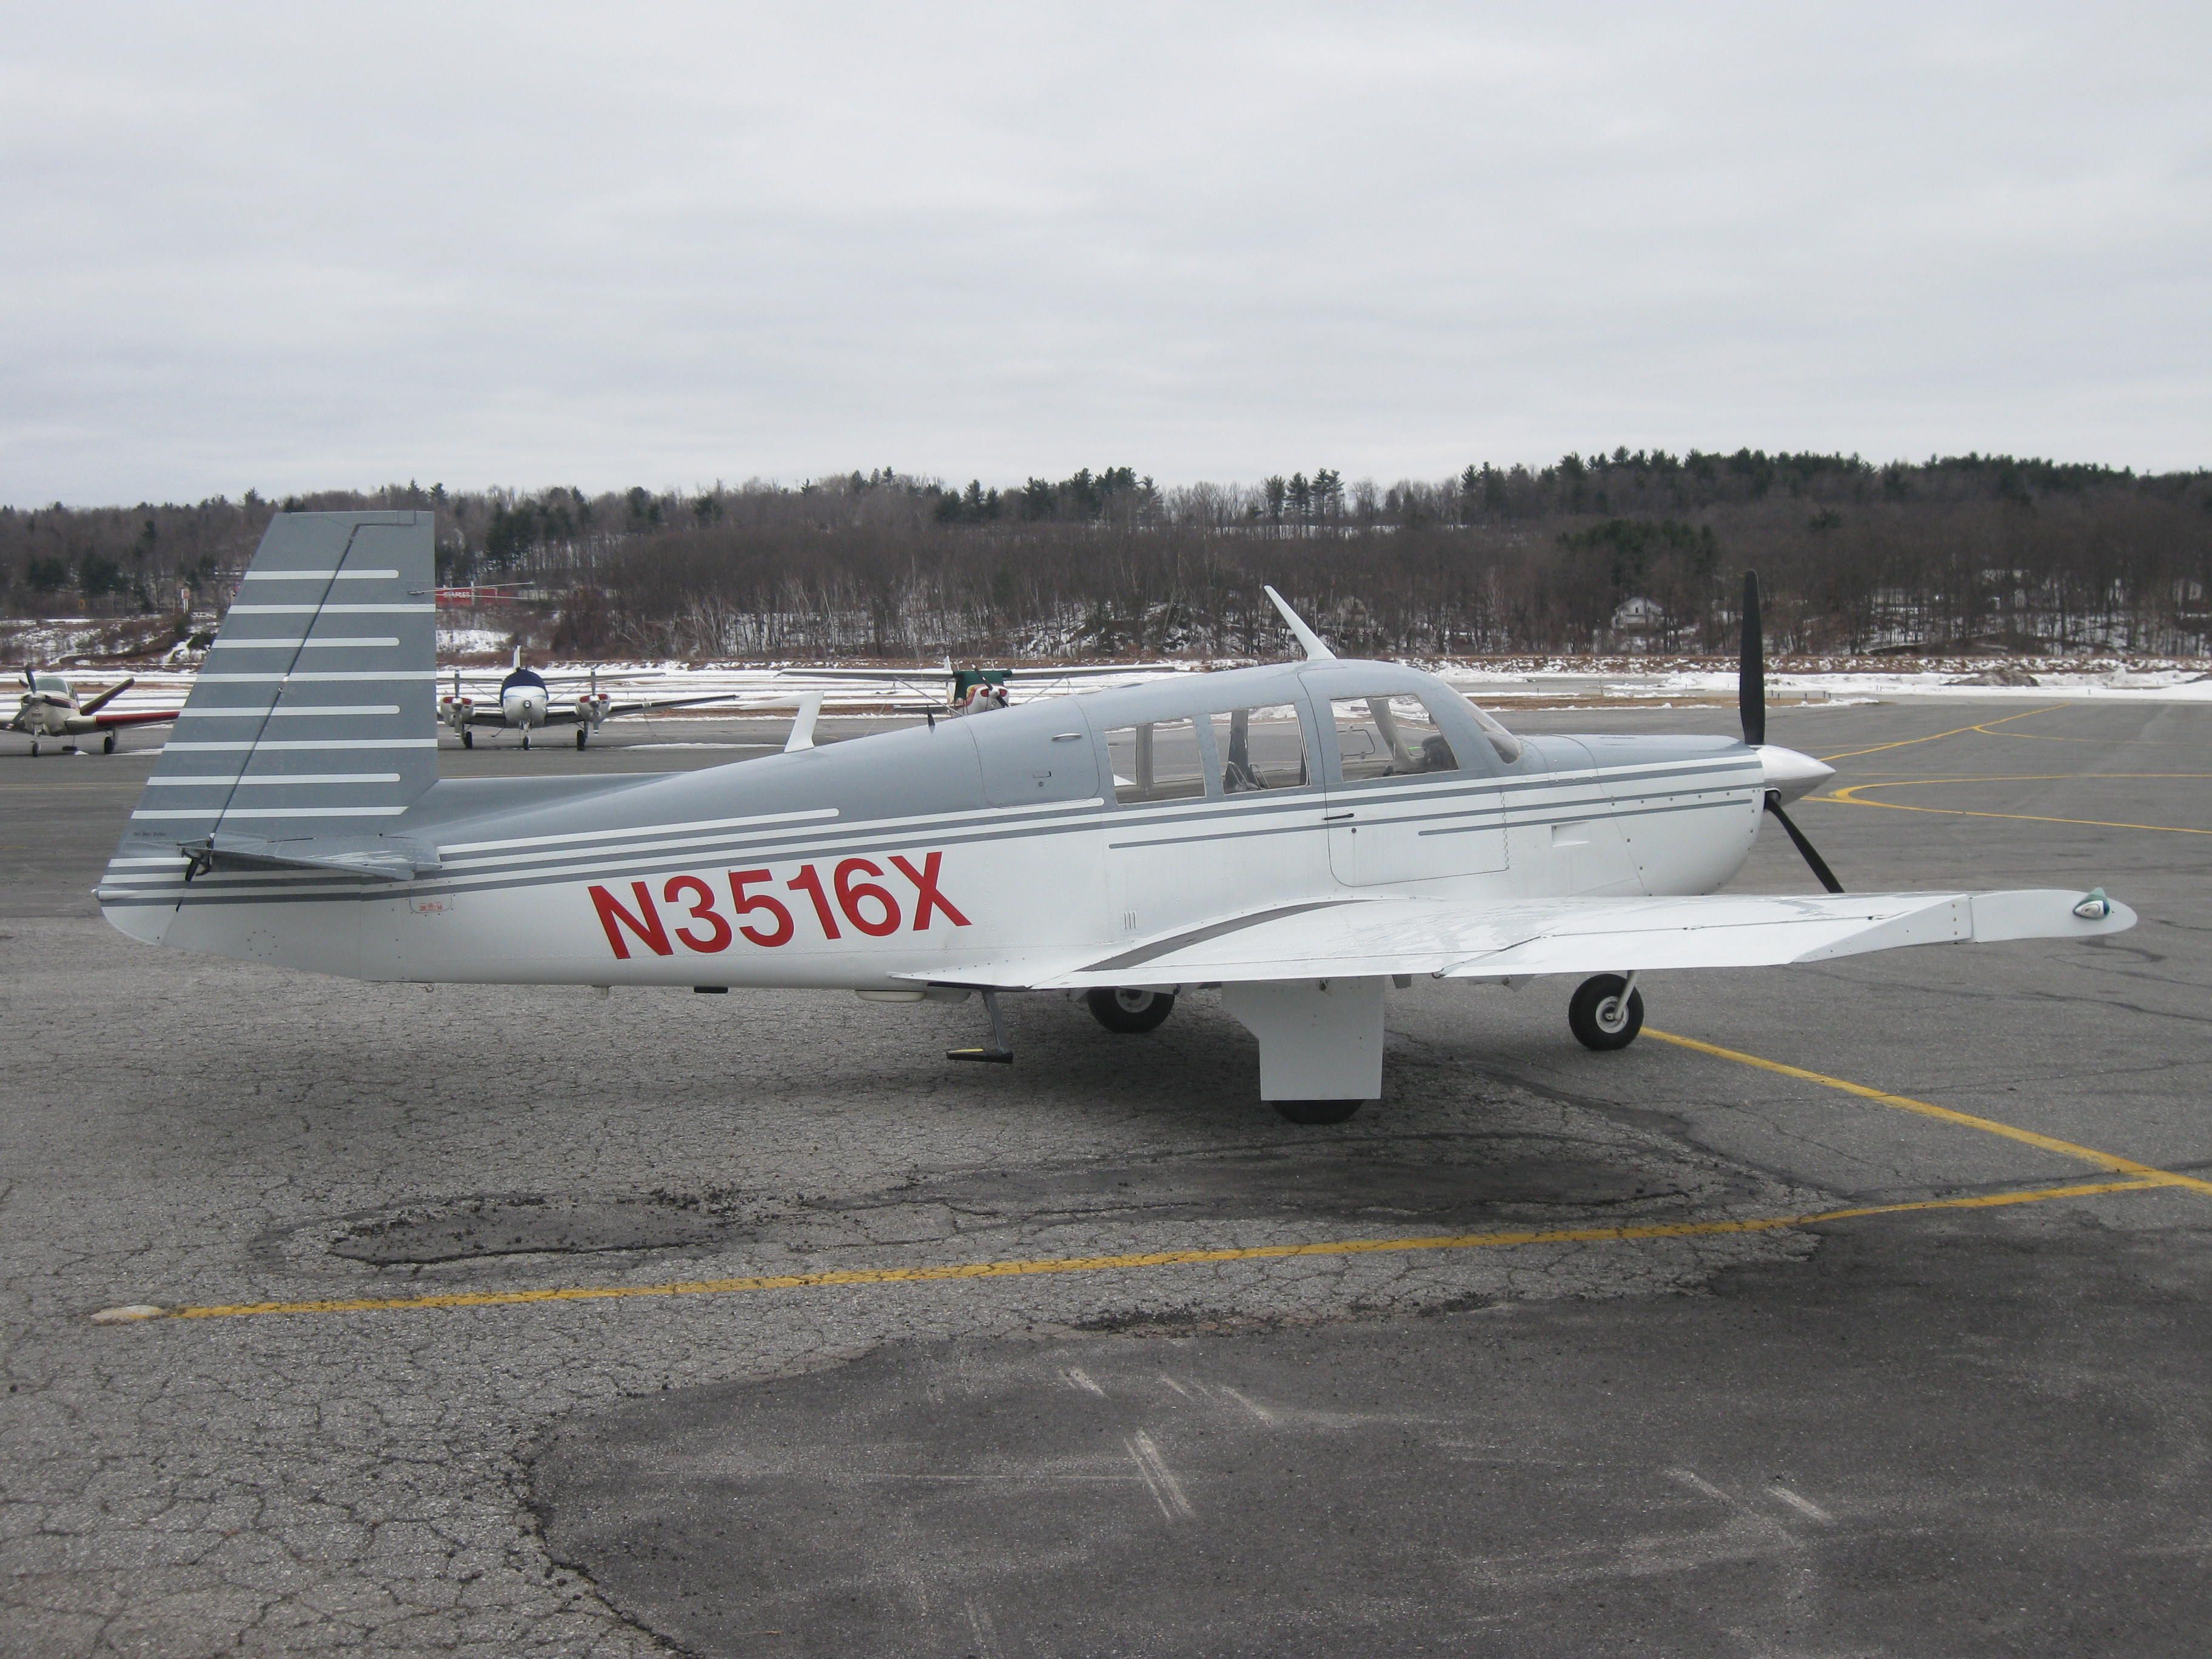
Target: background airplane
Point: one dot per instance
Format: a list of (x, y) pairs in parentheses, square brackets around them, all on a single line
[(525, 703), (51, 709), (978, 690), (1302, 836)]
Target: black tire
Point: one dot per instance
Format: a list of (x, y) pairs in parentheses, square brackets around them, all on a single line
[(107, 744), (35, 748), (526, 738), (1318, 1111), (468, 738), (1129, 1011), (1597, 1017), (580, 737)]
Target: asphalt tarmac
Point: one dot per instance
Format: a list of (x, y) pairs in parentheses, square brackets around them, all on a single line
[(747, 1325)]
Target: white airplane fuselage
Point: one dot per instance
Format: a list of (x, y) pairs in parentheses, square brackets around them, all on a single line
[(912, 852), (524, 706)]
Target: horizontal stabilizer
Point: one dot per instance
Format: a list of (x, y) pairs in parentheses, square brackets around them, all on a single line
[(387, 858)]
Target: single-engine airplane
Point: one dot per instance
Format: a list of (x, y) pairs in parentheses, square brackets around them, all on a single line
[(979, 690), (52, 708), (1302, 836), (525, 703)]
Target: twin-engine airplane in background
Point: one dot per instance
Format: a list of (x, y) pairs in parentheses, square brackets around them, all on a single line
[(1302, 836), (51, 709), (526, 703)]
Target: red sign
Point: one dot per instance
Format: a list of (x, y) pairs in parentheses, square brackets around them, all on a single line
[(854, 895)]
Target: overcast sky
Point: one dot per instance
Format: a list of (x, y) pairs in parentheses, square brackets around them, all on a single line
[(322, 245)]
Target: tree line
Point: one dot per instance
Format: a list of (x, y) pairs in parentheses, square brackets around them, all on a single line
[(1951, 553)]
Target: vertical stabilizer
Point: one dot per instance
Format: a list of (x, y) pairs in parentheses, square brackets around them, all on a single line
[(311, 725)]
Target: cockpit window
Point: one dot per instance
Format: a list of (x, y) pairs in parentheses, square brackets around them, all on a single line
[(53, 683), (1387, 736), (1158, 760), (1262, 748), (1507, 745)]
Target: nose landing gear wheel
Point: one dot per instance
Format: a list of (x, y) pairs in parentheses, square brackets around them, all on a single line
[(35, 748), (1129, 1011), (1602, 1018), (580, 737), (468, 739), (1318, 1111)]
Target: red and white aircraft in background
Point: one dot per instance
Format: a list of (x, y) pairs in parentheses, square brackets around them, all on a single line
[(51, 709)]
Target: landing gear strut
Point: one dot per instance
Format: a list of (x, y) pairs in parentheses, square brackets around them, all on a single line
[(1127, 1011), (997, 1054), (1607, 1013)]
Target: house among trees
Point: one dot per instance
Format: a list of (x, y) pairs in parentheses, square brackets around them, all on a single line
[(1638, 623)]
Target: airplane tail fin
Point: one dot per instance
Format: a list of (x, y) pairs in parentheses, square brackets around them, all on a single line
[(311, 725)]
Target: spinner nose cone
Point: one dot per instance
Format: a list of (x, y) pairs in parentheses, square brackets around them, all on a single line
[(1790, 773)]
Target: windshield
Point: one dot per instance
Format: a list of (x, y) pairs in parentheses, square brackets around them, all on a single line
[(1507, 745), (53, 683)]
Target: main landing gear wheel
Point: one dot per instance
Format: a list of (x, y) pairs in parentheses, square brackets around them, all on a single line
[(107, 744), (1129, 1011), (468, 739), (580, 737), (1318, 1111), (1602, 1018)]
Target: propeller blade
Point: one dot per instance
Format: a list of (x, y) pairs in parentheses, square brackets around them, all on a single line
[(1751, 669), (1819, 866)]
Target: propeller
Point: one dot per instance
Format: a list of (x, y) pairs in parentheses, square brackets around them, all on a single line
[(1751, 708)]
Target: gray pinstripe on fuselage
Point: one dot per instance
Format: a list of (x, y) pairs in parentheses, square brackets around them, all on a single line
[(886, 793)]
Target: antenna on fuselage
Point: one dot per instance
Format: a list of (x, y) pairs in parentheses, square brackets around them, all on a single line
[(1316, 651)]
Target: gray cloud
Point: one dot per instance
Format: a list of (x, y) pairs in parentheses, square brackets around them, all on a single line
[(286, 247)]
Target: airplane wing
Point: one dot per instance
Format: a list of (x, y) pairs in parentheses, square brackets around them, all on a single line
[(137, 717), (1073, 671), (887, 676), (1458, 938), (663, 703)]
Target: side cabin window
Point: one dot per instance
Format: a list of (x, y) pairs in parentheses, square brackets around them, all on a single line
[(1260, 749), (1388, 735), (1158, 760)]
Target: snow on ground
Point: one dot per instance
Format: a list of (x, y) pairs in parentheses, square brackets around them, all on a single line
[(1504, 685), (473, 641)]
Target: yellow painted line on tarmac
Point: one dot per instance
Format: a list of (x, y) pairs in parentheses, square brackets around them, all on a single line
[(1849, 796), (1956, 731), (941, 1272), (2149, 1174)]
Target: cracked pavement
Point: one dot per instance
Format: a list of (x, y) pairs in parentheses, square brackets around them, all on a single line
[(563, 1479)]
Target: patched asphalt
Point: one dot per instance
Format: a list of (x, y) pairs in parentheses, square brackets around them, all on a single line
[(1964, 1430)]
